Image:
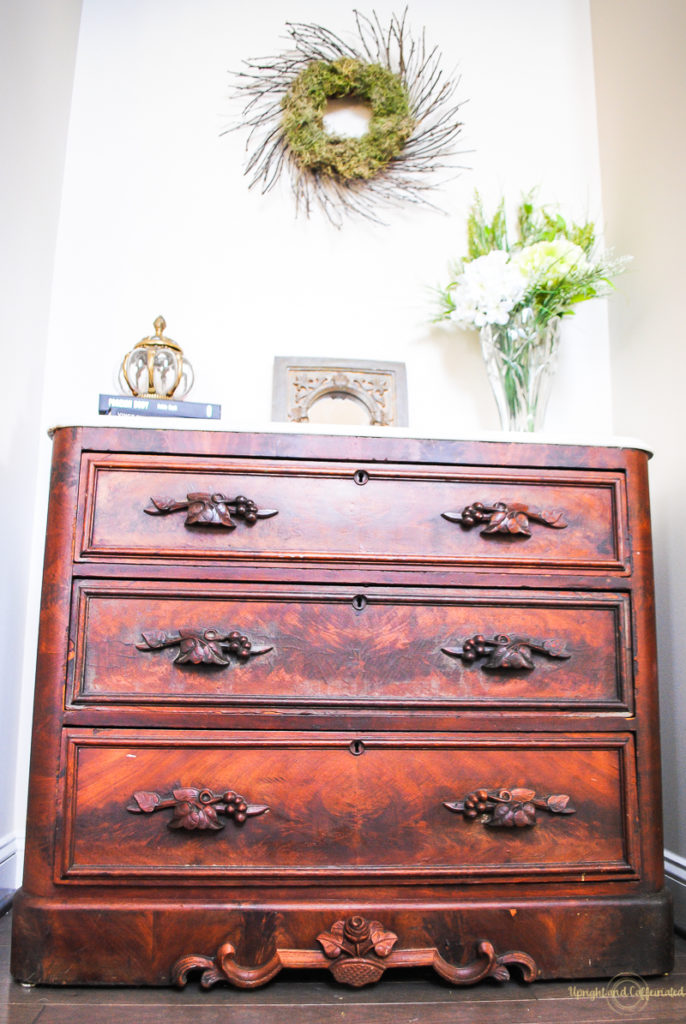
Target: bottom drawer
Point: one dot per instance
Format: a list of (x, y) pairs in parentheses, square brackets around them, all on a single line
[(287, 806)]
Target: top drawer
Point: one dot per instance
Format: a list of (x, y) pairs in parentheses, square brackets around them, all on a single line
[(163, 508)]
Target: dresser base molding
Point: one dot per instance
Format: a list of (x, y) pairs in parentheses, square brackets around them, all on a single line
[(351, 969), (159, 944)]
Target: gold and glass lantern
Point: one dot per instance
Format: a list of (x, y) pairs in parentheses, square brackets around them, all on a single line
[(156, 367)]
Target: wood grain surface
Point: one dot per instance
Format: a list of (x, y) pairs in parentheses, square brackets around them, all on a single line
[(352, 725)]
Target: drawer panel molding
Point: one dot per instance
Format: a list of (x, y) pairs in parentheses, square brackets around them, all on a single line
[(333, 815), (398, 518), (322, 645), (356, 952)]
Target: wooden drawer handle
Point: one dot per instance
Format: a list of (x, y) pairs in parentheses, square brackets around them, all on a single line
[(506, 652), (514, 519), (203, 646), (197, 809), (357, 952), (509, 808), (211, 510)]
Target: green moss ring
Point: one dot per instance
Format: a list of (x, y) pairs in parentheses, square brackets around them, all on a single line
[(412, 129), (305, 103)]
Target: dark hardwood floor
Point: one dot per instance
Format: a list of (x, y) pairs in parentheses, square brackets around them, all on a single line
[(413, 997)]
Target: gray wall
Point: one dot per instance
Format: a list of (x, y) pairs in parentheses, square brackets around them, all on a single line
[(38, 41), (641, 94)]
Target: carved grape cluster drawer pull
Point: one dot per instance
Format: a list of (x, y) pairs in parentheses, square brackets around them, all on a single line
[(510, 808), (211, 509), (502, 651), (197, 809), (357, 952), (514, 519), (203, 646)]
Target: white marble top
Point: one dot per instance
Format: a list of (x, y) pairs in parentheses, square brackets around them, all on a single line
[(336, 430)]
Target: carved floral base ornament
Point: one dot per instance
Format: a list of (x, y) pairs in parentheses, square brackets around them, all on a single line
[(357, 952), (413, 123)]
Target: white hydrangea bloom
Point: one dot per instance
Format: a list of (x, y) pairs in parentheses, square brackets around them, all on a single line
[(488, 290), (547, 263)]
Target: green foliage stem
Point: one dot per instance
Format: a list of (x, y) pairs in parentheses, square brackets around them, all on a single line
[(536, 224), (483, 236)]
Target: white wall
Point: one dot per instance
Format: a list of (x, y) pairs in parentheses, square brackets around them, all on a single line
[(641, 89), (37, 53), (156, 218)]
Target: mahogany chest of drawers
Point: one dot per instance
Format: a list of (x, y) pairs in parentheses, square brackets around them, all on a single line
[(352, 703)]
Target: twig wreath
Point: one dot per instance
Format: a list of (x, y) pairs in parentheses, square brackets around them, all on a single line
[(412, 129)]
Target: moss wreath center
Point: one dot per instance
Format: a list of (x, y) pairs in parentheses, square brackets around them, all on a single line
[(304, 105)]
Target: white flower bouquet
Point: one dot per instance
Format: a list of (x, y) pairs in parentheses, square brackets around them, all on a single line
[(515, 292), (550, 267)]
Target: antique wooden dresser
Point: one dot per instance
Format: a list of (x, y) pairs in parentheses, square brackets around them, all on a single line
[(352, 703)]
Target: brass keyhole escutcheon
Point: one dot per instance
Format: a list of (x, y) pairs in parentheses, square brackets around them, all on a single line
[(361, 476), (356, 748), (359, 602)]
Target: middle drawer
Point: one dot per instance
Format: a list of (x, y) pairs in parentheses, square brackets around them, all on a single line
[(164, 643)]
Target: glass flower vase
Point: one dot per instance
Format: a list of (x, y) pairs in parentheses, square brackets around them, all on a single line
[(521, 359)]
